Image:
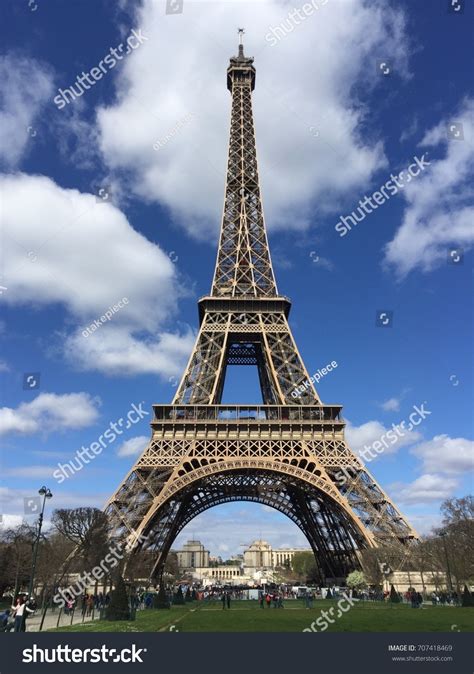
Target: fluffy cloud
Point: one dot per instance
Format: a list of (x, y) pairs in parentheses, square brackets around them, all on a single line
[(66, 247), (424, 524), (133, 446), (425, 489), (391, 405), (49, 412), (446, 455), (308, 136), (26, 87), (10, 521), (439, 212), (12, 504), (366, 434), (113, 350)]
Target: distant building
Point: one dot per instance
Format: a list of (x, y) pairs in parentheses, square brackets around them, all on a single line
[(258, 556), (257, 564), (427, 582), (260, 562), (261, 556), (192, 555)]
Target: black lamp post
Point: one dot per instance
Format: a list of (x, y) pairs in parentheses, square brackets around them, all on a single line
[(443, 535), (45, 493)]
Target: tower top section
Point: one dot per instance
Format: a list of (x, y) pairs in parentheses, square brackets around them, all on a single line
[(243, 267), (241, 68)]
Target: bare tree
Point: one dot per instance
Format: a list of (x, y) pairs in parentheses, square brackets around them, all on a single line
[(16, 551), (458, 525), (88, 529)]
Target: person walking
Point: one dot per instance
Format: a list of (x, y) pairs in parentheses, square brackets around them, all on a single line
[(20, 609), (223, 601), (228, 599), (4, 620), (89, 605)]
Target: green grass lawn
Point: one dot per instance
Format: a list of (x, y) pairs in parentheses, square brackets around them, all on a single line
[(247, 616)]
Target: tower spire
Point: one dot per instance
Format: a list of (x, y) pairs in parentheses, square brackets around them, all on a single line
[(241, 32)]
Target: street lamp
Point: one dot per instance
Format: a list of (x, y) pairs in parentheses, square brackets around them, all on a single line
[(443, 535), (45, 493)]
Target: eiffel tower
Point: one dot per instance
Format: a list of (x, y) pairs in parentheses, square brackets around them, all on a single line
[(289, 452)]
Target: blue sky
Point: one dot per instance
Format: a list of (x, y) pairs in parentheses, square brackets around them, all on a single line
[(331, 129)]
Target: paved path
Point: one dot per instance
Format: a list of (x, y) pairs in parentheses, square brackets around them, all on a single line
[(51, 620)]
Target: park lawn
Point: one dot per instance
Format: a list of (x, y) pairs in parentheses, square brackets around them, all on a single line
[(147, 621), (247, 616)]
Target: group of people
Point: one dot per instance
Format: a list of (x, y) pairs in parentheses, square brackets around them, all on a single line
[(443, 598), (88, 602), (268, 598), (14, 619), (225, 599), (415, 598)]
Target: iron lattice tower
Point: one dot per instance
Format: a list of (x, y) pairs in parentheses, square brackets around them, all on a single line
[(289, 452)]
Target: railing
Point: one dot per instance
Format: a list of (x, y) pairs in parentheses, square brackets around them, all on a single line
[(247, 413)]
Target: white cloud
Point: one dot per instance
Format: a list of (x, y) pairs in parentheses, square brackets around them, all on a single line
[(49, 412), (65, 247), (297, 167), (4, 367), (133, 446), (32, 472), (391, 405), (424, 524), (425, 489), (446, 455), (26, 87), (12, 503), (10, 521), (439, 212), (363, 436), (115, 349)]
